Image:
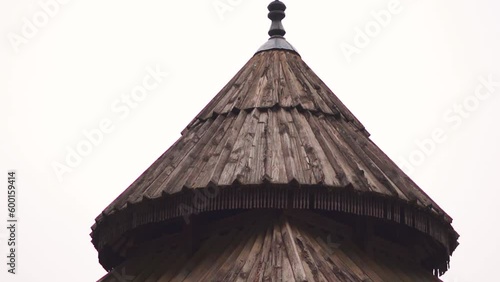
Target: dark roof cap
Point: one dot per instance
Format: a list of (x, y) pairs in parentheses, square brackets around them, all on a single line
[(277, 31)]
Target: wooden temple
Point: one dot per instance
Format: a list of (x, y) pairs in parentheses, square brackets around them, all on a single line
[(274, 180)]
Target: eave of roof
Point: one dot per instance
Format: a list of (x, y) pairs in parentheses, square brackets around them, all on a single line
[(257, 246)]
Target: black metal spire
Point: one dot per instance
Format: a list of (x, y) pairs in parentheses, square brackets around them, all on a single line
[(276, 14), (277, 31)]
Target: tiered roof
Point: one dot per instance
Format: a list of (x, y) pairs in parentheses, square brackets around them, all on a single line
[(275, 137)]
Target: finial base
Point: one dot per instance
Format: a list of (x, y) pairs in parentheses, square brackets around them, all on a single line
[(276, 43)]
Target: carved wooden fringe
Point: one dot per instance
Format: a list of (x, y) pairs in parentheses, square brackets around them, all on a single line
[(216, 199)]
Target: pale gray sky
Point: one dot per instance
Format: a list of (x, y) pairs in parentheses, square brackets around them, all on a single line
[(66, 67)]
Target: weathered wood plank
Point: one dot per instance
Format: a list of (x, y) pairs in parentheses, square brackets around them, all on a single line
[(181, 173), (276, 170), (251, 259), (216, 269), (252, 89), (233, 266), (295, 158), (354, 140), (286, 96), (315, 155), (238, 151), (292, 252), (313, 89), (203, 163), (239, 170), (319, 254), (231, 89), (256, 159), (233, 99), (257, 271), (397, 176), (340, 170), (342, 152), (310, 265), (301, 95)]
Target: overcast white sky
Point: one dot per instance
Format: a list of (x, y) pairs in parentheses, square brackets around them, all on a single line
[(66, 74)]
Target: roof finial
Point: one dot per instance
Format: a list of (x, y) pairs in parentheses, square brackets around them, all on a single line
[(277, 31), (276, 14)]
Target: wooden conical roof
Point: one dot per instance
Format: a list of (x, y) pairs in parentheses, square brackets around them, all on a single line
[(275, 122), (275, 137)]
